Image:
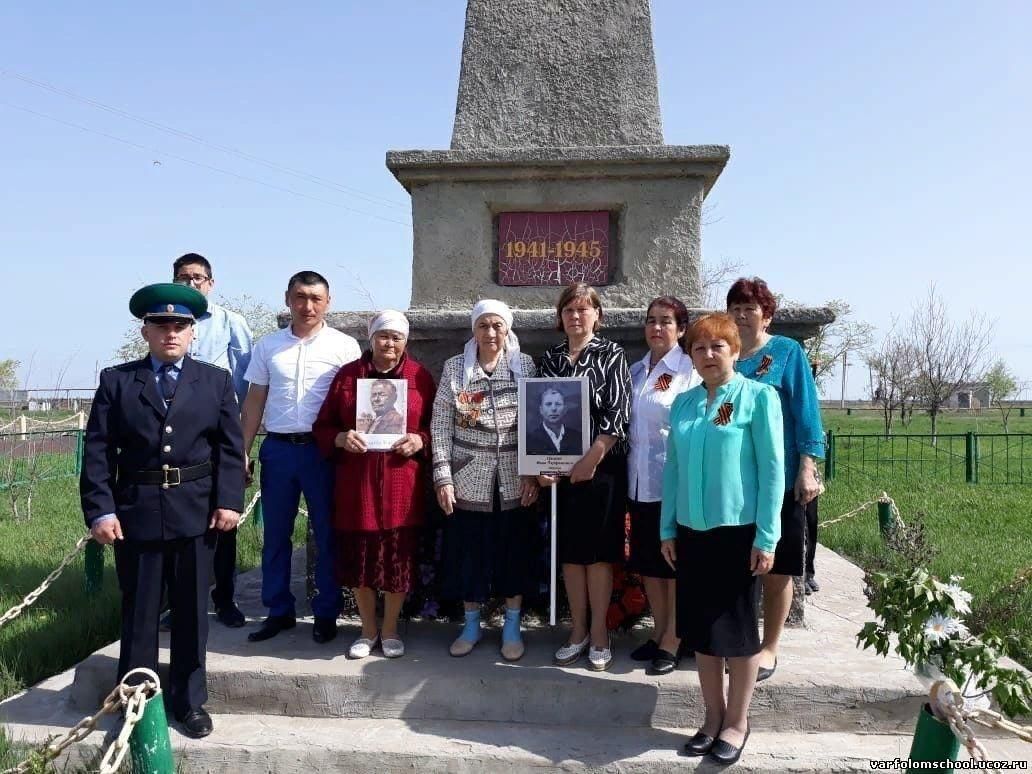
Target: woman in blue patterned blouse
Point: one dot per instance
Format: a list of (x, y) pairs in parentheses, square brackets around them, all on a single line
[(780, 362)]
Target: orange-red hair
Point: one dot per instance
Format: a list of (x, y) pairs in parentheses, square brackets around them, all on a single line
[(714, 326)]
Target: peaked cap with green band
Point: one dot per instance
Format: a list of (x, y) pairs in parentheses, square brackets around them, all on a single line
[(168, 301)]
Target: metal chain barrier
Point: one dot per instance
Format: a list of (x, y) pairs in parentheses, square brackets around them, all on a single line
[(133, 698), (250, 508), (32, 596), (883, 499)]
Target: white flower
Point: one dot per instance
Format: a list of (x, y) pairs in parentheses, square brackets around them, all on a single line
[(939, 628), (961, 599)]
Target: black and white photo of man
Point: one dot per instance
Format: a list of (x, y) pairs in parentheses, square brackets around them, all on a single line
[(552, 435)]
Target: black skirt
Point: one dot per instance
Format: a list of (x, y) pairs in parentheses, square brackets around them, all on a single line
[(591, 515), (646, 560), (718, 597), (790, 555), (489, 555)]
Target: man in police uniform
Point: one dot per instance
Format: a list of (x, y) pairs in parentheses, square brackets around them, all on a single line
[(163, 469)]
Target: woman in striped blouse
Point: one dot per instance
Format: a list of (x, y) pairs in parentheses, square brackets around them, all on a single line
[(592, 500)]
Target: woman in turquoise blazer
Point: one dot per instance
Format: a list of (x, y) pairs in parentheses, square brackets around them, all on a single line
[(720, 524)]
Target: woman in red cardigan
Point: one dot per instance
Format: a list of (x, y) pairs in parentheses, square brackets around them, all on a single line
[(378, 495)]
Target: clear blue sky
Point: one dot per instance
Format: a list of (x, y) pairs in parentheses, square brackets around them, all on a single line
[(876, 147)]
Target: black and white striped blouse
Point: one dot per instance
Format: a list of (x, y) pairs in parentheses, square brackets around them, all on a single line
[(609, 383)]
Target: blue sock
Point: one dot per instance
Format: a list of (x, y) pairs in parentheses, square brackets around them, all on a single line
[(511, 629), (471, 631)]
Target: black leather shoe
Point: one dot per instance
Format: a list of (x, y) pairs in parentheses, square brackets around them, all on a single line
[(664, 663), (230, 615), (324, 630), (272, 626), (726, 753), (700, 744), (196, 723), (646, 651), (763, 673), (812, 587)]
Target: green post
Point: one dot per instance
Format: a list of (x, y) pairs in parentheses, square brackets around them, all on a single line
[(80, 441), (885, 521), (849, 412), (933, 740), (149, 746), (970, 466), (93, 568), (257, 517), (829, 458), (1021, 411)]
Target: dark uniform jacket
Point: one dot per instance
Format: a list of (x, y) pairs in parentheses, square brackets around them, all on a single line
[(130, 430), (540, 442)]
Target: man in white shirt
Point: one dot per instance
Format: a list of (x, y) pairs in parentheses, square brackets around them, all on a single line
[(289, 375)]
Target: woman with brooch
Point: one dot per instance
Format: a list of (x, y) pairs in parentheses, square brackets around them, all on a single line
[(780, 362), (378, 495), (489, 537), (592, 500), (720, 524), (656, 380)]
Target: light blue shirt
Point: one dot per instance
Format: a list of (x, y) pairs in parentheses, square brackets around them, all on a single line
[(222, 338), (725, 462)]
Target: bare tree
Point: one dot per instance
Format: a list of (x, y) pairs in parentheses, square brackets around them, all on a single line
[(893, 366), (715, 279), (843, 335), (1002, 387), (949, 353)]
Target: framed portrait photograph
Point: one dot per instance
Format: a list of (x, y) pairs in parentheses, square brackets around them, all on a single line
[(382, 413), (554, 427)]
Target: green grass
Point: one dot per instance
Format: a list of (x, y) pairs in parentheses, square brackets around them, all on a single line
[(980, 531), (867, 421)]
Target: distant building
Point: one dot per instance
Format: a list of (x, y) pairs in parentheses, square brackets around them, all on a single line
[(972, 395), (17, 400)]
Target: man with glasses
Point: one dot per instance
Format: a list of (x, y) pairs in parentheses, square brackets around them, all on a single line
[(221, 338)]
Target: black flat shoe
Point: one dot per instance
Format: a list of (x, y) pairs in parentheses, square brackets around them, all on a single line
[(272, 626), (324, 630), (196, 723), (698, 745), (646, 651), (812, 587), (726, 753), (230, 615), (763, 673), (664, 663)]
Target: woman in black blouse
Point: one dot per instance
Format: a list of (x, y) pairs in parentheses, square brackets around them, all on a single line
[(592, 501)]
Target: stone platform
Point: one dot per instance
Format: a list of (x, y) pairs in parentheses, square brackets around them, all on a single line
[(289, 705)]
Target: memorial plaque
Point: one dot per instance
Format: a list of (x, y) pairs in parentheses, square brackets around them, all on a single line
[(553, 248)]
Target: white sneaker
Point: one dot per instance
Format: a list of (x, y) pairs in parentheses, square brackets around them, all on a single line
[(599, 659), (571, 651), (362, 647), (393, 648)]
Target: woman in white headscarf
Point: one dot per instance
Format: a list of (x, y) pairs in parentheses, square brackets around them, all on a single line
[(378, 495), (489, 538)]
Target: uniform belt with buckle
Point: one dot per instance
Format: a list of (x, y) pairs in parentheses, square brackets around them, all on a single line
[(167, 476)]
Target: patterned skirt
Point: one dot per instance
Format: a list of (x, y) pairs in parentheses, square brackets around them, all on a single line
[(383, 560)]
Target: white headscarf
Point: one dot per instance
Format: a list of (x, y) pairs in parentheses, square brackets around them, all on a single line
[(511, 345), (391, 320)]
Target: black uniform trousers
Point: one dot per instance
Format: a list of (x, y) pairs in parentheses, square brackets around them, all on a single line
[(182, 568), (225, 569)]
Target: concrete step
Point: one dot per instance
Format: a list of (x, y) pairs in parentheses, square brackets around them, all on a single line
[(823, 682)]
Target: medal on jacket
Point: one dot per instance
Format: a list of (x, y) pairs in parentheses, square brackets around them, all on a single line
[(765, 363), (663, 382), (468, 405), (723, 416)]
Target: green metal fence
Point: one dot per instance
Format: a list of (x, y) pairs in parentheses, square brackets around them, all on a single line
[(986, 458)]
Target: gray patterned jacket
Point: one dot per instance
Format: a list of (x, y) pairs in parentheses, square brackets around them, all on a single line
[(474, 434)]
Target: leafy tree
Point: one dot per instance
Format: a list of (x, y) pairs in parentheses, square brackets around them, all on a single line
[(833, 340), (893, 366), (9, 373), (1002, 387)]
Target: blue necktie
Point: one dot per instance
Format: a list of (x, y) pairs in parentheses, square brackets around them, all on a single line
[(168, 383)]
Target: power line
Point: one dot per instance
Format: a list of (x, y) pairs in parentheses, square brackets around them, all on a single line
[(372, 198), (202, 165)]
